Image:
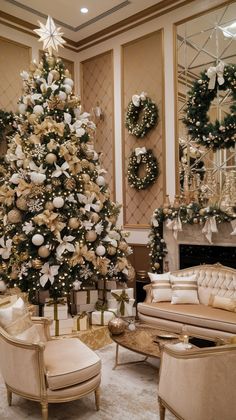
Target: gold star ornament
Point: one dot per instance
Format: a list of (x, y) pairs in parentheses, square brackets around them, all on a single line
[(50, 35)]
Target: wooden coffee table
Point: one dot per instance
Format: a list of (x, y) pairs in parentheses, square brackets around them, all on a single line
[(143, 340)]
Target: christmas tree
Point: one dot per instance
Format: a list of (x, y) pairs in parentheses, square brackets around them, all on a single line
[(58, 222)]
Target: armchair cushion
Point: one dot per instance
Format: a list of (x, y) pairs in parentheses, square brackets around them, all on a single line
[(79, 365), (11, 312)]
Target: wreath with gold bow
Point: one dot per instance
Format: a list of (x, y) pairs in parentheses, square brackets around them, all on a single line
[(221, 134), (141, 115), (139, 157)]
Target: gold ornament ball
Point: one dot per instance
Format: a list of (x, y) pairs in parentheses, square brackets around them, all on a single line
[(91, 236), (36, 263), (16, 240), (86, 177), (95, 217), (111, 250), (202, 212), (56, 74), (14, 216), (43, 251), (51, 158), (74, 223), (123, 246), (49, 205), (165, 210), (157, 265), (116, 326), (21, 203), (14, 275), (51, 61)]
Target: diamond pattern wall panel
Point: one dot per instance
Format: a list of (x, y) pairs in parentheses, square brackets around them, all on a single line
[(14, 58), (97, 92), (143, 71)]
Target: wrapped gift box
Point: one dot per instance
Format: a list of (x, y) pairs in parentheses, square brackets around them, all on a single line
[(84, 297), (81, 322), (102, 317), (77, 309), (55, 310), (129, 291), (41, 296), (106, 284), (123, 300), (61, 326), (104, 294)]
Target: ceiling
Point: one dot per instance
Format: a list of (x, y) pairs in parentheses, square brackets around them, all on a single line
[(103, 16)]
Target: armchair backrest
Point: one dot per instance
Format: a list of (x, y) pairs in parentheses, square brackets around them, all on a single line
[(21, 365), (199, 384)]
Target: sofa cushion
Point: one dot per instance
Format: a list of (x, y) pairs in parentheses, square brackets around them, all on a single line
[(200, 315), (184, 289), (80, 364), (161, 287), (228, 304)]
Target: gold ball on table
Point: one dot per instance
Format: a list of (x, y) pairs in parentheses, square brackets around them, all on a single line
[(116, 326)]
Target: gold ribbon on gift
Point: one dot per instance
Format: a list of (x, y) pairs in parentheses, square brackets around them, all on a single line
[(55, 303), (6, 302), (88, 296), (56, 327), (79, 317), (121, 299), (102, 307)]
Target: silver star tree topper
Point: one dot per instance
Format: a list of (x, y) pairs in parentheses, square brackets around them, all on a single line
[(50, 35)]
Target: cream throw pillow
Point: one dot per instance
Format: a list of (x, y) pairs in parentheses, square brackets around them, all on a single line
[(10, 313), (228, 304), (161, 287), (184, 289)]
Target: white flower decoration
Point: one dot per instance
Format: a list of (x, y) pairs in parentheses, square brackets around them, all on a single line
[(28, 227), (49, 272), (65, 245), (5, 251), (61, 170)]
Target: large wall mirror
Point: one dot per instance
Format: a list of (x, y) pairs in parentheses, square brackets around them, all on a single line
[(207, 44)]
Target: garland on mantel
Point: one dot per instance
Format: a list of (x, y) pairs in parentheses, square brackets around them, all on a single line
[(193, 213)]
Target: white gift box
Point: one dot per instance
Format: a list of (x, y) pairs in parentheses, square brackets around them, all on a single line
[(129, 291), (102, 317), (104, 294), (55, 310), (124, 308), (107, 284), (80, 322), (77, 309), (61, 326), (84, 297)]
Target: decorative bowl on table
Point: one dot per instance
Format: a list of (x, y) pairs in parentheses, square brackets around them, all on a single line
[(116, 326)]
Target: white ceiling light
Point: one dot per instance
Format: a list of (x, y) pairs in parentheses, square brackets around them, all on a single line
[(84, 10), (229, 31)]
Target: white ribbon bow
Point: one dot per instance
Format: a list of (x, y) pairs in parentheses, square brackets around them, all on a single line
[(49, 272), (137, 98), (61, 170), (65, 245), (233, 224), (88, 201), (175, 225), (139, 151), (209, 228), (218, 71)]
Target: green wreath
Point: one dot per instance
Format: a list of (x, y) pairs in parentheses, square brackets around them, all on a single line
[(222, 134), (139, 157), (141, 115)]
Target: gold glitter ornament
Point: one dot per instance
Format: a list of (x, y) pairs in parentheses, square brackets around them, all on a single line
[(51, 158), (70, 184), (56, 182), (32, 118), (37, 264), (85, 177), (95, 217), (91, 236), (111, 250), (24, 256), (56, 74), (74, 223), (43, 251), (14, 216), (33, 139), (202, 212), (157, 265), (21, 203), (49, 205)]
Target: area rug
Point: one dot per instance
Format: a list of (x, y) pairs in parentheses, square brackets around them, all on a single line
[(128, 392)]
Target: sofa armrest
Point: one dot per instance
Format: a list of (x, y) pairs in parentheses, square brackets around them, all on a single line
[(199, 383), (148, 290), (43, 324)]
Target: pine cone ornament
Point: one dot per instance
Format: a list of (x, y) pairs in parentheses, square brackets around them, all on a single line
[(36, 263), (70, 184)]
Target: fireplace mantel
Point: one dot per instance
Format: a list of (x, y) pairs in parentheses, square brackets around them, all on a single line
[(192, 235)]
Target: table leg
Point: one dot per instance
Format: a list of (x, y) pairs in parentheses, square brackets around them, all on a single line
[(125, 363)]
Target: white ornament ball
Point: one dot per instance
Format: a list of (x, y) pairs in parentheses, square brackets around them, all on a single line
[(68, 89), (37, 239), (51, 158), (43, 251), (74, 223), (100, 181), (14, 216), (91, 236), (100, 250), (22, 108), (68, 81), (58, 202), (2, 286), (62, 95), (38, 110)]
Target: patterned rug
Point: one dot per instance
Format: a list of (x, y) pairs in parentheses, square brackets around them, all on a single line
[(129, 392)]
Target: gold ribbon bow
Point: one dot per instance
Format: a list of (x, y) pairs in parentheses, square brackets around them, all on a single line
[(121, 299)]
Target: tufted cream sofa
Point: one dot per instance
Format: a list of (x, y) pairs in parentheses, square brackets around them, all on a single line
[(199, 319)]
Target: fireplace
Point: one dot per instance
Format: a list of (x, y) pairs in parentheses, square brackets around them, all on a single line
[(191, 255), (192, 248)]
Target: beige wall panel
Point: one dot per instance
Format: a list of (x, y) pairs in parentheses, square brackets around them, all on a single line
[(143, 71), (14, 58), (97, 88)]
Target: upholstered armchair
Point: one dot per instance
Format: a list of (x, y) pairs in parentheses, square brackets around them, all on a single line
[(49, 370), (198, 384)]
